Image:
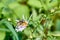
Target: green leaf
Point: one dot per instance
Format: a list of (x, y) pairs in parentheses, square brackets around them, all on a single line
[(56, 33), (21, 0), (48, 1), (58, 25), (54, 3), (5, 30), (2, 35), (7, 24), (2, 31), (1, 5), (13, 5), (49, 5), (26, 31), (34, 13), (7, 12), (20, 10), (7, 2), (34, 3), (38, 38)]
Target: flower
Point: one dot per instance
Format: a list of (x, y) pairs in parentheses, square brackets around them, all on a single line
[(20, 28)]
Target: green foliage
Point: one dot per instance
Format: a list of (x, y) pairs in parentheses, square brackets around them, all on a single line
[(2, 35), (34, 3), (43, 17)]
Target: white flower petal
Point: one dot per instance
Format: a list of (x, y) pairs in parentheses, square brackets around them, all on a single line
[(20, 28)]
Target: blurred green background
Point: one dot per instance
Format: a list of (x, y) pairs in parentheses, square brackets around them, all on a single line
[(43, 17)]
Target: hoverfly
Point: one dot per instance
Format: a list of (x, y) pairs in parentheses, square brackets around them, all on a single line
[(21, 25)]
